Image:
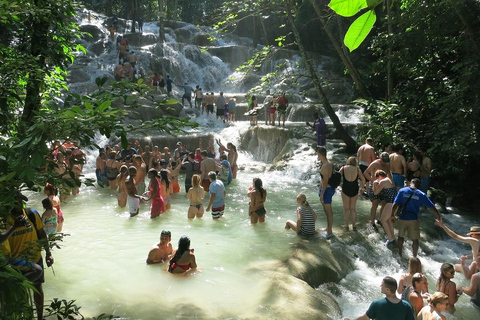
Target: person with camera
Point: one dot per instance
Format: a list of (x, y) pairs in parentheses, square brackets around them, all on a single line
[(411, 198)]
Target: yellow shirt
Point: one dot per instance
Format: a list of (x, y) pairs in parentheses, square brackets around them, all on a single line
[(23, 241)]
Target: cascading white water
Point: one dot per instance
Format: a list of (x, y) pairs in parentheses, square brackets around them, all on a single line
[(102, 262)]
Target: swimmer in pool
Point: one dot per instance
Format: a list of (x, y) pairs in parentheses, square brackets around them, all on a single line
[(184, 258), (161, 252)]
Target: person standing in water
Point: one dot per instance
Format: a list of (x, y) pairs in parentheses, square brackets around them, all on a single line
[(306, 218), (217, 196), (326, 192), (50, 192), (390, 307), (155, 194), (350, 190), (437, 303), (256, 206), (195, 194)]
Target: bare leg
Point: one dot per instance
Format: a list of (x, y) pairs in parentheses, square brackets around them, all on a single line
[(400, 245), (346, 209), (353, 210), (39, 300), (373, 211), (386, 220), (191, 212), (329, 213), (291, 225), (253, 218), (415, 247)]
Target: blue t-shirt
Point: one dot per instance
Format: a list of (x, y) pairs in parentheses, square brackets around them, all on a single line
[(418, 199), (217, 188), (383, 309)]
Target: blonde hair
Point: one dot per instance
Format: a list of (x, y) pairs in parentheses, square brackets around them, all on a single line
[(195, 180), (303, 199), (436, 298), (414, 265), (352, 161)]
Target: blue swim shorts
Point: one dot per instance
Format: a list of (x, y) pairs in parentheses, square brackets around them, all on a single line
[(327, 196), (398, 179)]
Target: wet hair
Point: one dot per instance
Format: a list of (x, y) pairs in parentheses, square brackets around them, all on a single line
[(196, 180), (212, 175), (380, 173), (416, 182), (164, 176), (50, 188), (303, 199), (223, 157), (390, 284), (322, 151), (112, 155), (166, 233), (417, 278), (123, 169), (443, 280), (257, 182), (418, 155), (232, 146), (191, 155), (352, 161), (47, 203), (183, 245), (436, 298), (414, 265), (204, 152), (153, 171)]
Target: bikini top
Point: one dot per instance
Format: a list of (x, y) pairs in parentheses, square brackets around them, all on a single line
[(181, 266)]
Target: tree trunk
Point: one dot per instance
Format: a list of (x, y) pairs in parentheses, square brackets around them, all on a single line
[(389, 58), (265, 33), (161, 4), (351, 144), (352, 71), (134, 15)]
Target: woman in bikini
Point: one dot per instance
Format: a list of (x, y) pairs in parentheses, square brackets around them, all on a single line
[(437, 303), (447, 286), (50, 192), (350, 190), (258, 196), (413, 167), (196, 195), (414, 266), (184, 258)]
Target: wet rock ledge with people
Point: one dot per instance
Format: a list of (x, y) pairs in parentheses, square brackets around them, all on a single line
[(256, 135)]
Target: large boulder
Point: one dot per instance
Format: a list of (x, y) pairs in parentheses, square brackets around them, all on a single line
[(140, 39), (95, 31), (77, 75)]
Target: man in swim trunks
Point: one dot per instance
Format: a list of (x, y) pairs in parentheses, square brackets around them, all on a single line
[(207, 165), (389, 307), (380, 164), (366, 154), (133, 199), (267, 104), (408, 221), (398, 166), (162, 251), (141, 173), (326, 192), (217, 196)]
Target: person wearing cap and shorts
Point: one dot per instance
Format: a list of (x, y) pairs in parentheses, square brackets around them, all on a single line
[(217, 196), (379, 164), (473, 239), (411, 198), (177, 153)]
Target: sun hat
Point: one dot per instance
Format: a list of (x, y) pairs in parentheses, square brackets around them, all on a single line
[(474, 230)]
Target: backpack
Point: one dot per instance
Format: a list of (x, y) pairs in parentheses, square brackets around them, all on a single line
[(335, 179)]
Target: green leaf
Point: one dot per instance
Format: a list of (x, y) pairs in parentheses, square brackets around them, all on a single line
[(104, 106), (347, 8), (359, 30)]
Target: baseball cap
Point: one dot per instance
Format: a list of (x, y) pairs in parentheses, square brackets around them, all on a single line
[(385, 157)]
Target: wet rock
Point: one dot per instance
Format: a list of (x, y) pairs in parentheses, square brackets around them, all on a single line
[(172, 109), (77, 75), (95, 31), (98, 48), (201, 40), (141, 39)]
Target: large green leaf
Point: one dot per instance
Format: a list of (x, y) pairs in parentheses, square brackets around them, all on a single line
[(347, 8), (359, 30)]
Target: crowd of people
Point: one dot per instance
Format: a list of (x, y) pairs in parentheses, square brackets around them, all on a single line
[(274, 108), (389, 180)]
